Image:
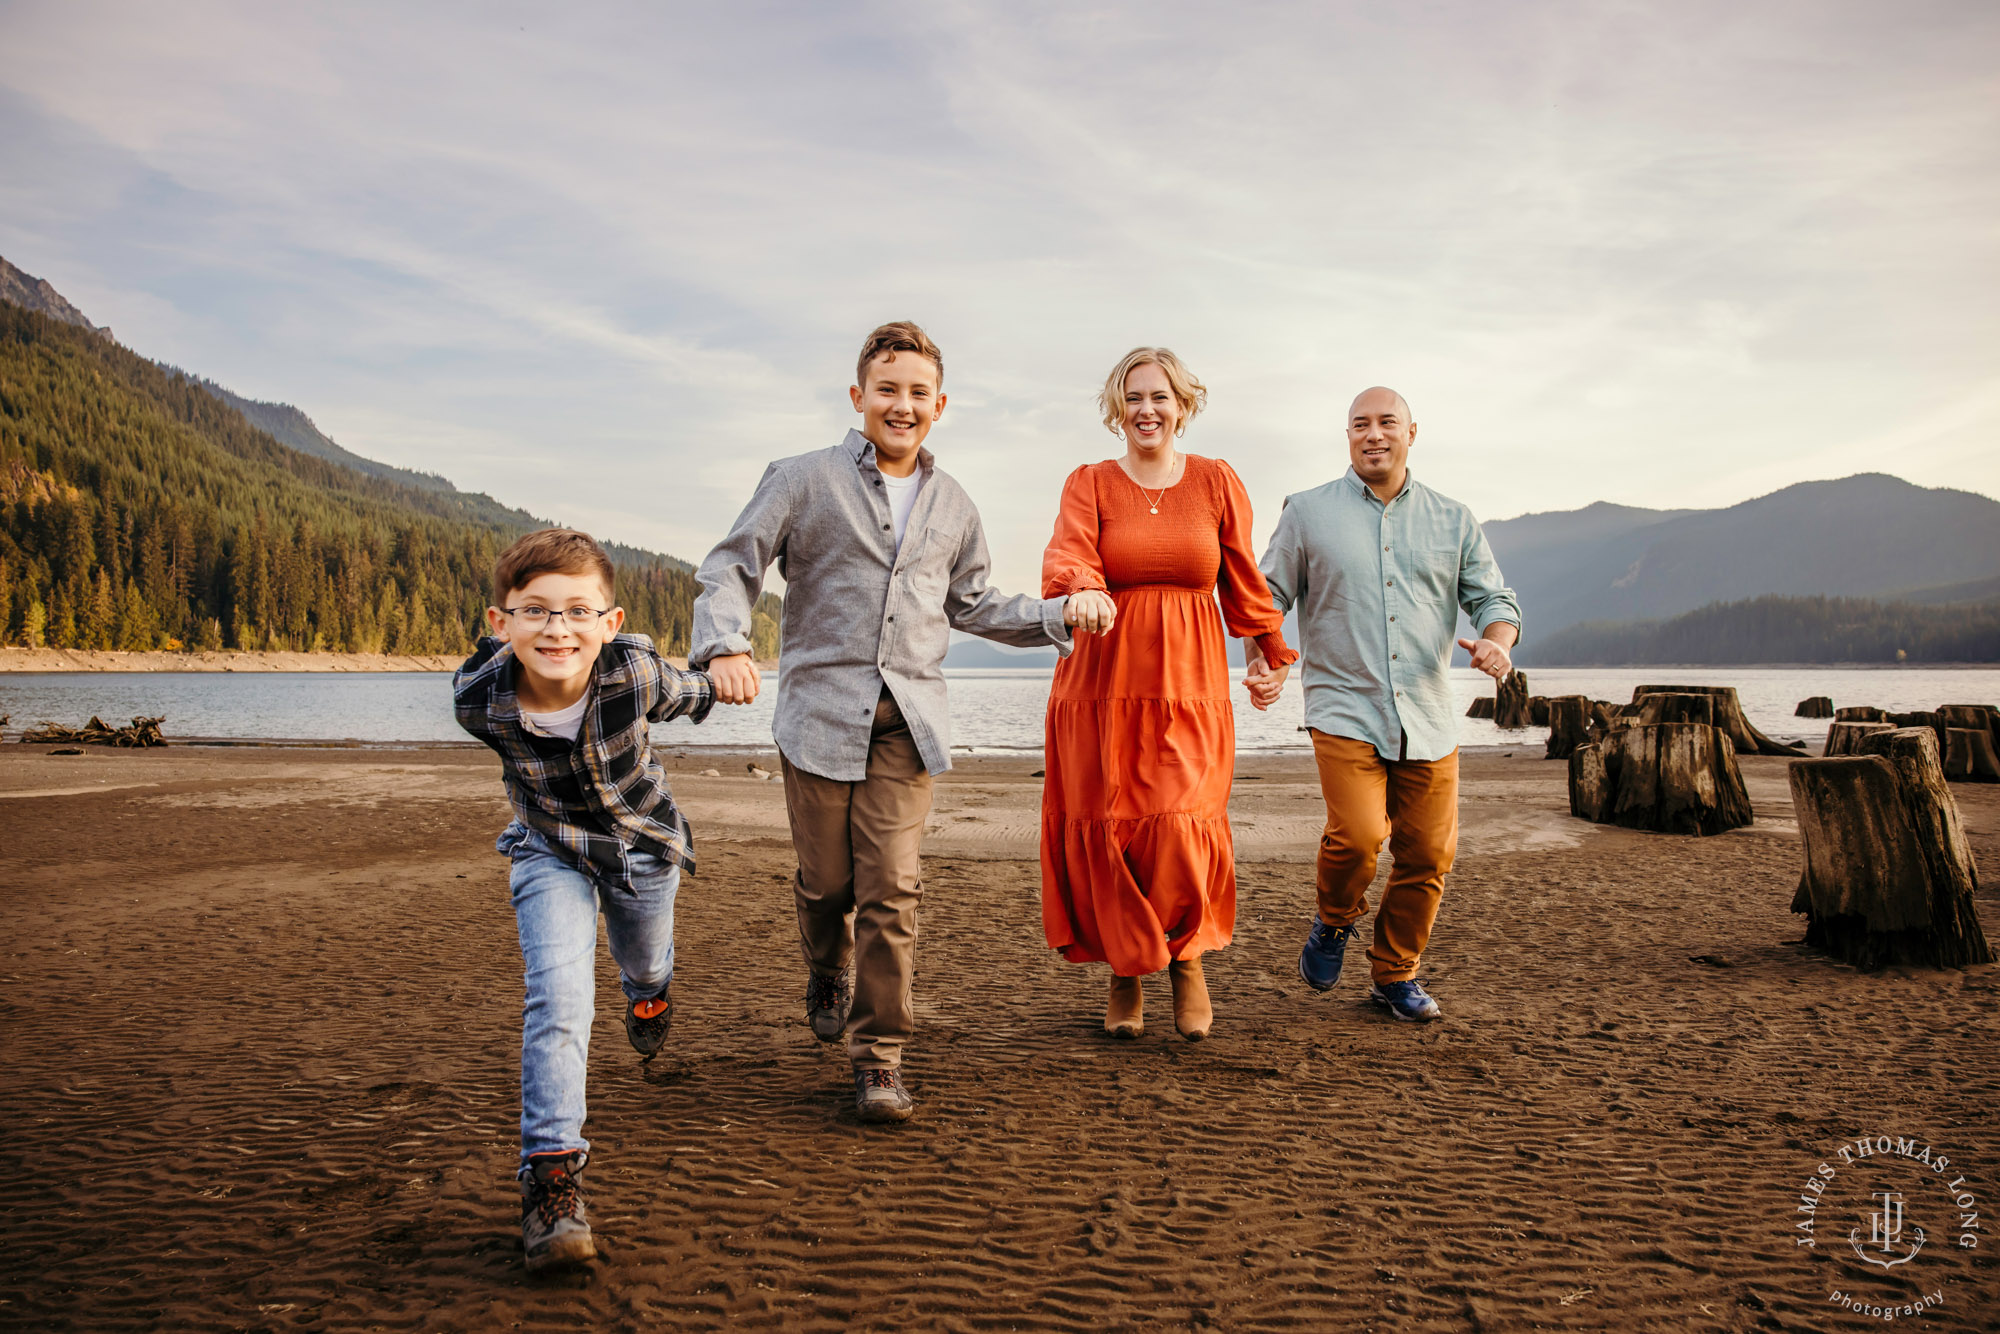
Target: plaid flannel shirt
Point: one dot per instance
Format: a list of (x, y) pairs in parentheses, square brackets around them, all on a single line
[(604, 793)]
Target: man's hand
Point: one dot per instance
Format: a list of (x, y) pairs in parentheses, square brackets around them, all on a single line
[(1264, 682), (1091, 611), (1489, 657), (735, 678)]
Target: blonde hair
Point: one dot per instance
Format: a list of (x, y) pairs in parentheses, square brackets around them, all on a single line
[(1189, 392)]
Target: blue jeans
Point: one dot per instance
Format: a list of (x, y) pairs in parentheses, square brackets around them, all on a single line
[(555, 910)]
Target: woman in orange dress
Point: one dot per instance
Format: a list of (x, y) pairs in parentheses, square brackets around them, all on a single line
[(1138, 869)]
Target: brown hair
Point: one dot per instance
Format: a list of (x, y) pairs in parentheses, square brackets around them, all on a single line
[(897, 336), (550, 551), (1189, 392)]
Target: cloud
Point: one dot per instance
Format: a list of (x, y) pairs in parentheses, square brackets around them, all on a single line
[(1663, 256)]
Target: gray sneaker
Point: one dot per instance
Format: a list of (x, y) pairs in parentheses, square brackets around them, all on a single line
[(828, 997), (554, 1229), (648, 1022), (879, 1095)]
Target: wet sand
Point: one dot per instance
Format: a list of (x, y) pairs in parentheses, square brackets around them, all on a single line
[(260, 1011)]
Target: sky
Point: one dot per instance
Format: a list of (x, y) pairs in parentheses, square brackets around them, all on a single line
[(606, 261)]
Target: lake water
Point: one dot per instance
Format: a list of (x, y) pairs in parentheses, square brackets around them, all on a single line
[(993, 711)]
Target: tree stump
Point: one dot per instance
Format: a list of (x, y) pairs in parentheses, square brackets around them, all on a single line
[(1973, 716), (1482, 707), (1845, 738), (1919, 718), (1819, 706), (1860, 713), (1970, 757), (1672, 778), (1655, 709), (1729, 717), (1538, 711), (1569, 725), (1889, 877), (1510, 701)]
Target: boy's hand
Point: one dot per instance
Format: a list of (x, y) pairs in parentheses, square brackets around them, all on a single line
[(1264, 682), (735, 678), (1091, 611)]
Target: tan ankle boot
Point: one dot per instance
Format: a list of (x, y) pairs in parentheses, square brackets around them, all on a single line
[(1193, 1015), (1122, 1016)]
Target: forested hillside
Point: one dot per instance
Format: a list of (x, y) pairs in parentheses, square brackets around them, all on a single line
[(139, 511), (1780, 629)]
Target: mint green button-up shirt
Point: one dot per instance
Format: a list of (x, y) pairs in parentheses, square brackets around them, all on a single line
[(1379, 588)]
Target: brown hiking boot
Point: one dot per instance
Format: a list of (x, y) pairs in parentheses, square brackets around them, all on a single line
[(1124, 1014), (1193, 1015), (554, 1229)]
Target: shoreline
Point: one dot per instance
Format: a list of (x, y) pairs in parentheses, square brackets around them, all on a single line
[(14, 659)]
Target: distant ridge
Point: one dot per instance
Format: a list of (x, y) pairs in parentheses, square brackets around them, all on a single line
[(32, 293)]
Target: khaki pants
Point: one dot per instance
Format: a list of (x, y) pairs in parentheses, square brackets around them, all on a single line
[(859, 880), (1414, 805)]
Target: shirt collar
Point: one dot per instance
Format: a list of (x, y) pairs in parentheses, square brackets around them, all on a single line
[(1353, 479), (862, 450)]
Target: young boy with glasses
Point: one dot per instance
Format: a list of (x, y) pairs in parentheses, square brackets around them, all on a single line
[(568, 702), (883, 557)]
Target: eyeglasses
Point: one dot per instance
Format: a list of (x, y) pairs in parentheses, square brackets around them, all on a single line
[(535, 617)]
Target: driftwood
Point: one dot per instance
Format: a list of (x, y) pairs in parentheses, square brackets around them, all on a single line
[(1673, 778), (142, 733), (1970, 757), (1729, 717), (1569, 725), (1889, 876), (1482, 707), (1510, 701), (1603, 714), (1860, 713), (1845, 738), (1819, 706)]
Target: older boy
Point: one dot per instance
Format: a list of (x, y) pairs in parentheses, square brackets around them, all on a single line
[(883, 556), (567, 702), (1379, 566)]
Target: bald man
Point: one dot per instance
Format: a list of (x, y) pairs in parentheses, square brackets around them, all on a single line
[(1379, 566)]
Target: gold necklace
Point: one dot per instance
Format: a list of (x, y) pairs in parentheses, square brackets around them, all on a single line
[(1153, 505)]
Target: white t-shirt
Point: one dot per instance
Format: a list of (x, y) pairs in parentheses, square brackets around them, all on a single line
[(565, 723), (902, 499)]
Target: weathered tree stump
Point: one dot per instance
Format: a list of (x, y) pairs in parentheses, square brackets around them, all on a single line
[(1973, 716), (1672, 778), (1970, 757), (1538, 711), (1655, 709), (1482, 707), (1510, 701), (1845, 738), (1860, 713), (1889, 877), (1729, 717), (1818, 706), (1569, 725), (1919, 718)]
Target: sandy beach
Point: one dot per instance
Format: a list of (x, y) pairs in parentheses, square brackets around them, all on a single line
[(261, 1011)]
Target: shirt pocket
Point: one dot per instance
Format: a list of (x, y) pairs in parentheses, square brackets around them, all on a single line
[(926, 560), (1433, 575)]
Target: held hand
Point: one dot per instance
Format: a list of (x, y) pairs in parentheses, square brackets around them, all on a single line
[(735, 678), (1263, 682), (1091, 611), (1488, 657)]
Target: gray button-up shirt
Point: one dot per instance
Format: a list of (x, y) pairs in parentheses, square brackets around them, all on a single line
[(860, 613), (1378, 588)]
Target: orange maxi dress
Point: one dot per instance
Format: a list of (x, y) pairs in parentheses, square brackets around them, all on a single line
[(1138, 867)]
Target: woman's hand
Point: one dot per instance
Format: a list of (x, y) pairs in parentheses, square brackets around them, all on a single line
[(1090, 611), (1264, 682)]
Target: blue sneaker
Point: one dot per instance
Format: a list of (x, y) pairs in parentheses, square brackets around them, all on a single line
[(1406, 1000), (1326, 950)]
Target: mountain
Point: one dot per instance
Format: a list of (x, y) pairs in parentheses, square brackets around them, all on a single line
[(32, 293), (1868, 536), (140, 509), (288, 426)]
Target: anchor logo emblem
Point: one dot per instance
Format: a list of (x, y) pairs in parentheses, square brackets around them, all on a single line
[(1885, 1230)]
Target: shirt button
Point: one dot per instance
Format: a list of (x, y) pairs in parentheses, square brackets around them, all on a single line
[(885, 527), (1391, 583), (1392, 618)]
